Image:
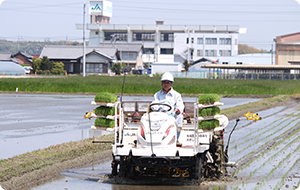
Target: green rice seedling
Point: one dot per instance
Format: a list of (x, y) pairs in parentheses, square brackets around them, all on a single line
[(106, 97), (104, 110), (209, 111), (274, 156), (102, 122), (209, 98), (208, 124)]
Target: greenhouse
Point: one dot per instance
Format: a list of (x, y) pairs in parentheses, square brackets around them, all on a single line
[(10, 68)]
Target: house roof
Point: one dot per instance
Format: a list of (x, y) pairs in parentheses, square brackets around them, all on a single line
[(75, 52), (24, 54), (203, 59), (5, 56)]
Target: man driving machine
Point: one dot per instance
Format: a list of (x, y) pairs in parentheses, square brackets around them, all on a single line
[(169, 96)]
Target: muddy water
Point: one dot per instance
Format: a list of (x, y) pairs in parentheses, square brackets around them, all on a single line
[(31, 122), (267, 151)]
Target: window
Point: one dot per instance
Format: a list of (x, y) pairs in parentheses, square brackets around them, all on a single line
[(187, 40), (128, 56), (166, 51), (198, 52), (167, 37), (210, 40), (239, 63), (225, 63), (207, 40), (192, 40), (199, 40), (192, 54), (229, 52), (149, 50), (96, 33), (220, 53), (71, 67), (226, 41), (212, 52), (140, 36), (118, 36), (206, 52), (94, 68)]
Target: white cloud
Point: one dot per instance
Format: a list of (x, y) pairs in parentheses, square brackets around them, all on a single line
[(1, 1)]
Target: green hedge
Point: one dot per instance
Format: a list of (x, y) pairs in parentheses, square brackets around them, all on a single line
[(103, 110), (209, 98), (209, 124), (102, 122), (209, 111), (106, 97)]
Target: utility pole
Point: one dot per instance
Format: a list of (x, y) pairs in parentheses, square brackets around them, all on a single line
[(84, 25), (272, 55)]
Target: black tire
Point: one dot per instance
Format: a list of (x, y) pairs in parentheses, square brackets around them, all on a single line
[(122, 168), (114, 168)]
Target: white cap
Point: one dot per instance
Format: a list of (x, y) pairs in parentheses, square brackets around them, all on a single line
[(167, 77)]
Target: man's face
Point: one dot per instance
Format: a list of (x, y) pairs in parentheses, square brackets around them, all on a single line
[(166, 86)]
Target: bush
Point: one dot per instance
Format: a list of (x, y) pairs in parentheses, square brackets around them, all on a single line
[(102, 122), (103, 110), (209, 111), (116, 68), (209, 124), (209, 98), (106, 97)]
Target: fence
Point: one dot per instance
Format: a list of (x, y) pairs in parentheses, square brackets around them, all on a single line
[(237, 75)]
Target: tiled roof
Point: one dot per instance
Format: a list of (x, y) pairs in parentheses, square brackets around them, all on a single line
[(75, 52), (5, 56)]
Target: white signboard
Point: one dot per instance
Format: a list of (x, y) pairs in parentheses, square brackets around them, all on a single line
[(101, 8)]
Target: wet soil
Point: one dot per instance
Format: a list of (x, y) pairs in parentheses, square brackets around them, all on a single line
[(267, 153)]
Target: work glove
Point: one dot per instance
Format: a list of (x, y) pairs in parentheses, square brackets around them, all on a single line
[(177, 111)]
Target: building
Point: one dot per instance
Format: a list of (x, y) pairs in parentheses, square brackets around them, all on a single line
[(288, 49), (99, 60), (159, 40), (131, 54), (10, 66), (193, 46), (24, 58), (162, 43)]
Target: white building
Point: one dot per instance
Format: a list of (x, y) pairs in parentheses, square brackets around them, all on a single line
[(162, 43), (193, 46)]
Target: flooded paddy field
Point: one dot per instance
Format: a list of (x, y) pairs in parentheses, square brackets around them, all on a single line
[(267, 151)]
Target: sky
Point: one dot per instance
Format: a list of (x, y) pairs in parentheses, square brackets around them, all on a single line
[(36, 20)]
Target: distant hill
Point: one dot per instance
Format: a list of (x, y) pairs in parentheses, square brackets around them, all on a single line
[(30, 47), (243, 49)]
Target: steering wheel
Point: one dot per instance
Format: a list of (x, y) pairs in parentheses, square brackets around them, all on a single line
[(160, 104)]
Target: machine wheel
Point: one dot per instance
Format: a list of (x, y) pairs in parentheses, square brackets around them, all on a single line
[(123, 167), (217, 152), (198, 173), (114, 168)]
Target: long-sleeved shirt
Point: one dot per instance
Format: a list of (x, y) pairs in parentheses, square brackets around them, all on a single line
[(173, 98)]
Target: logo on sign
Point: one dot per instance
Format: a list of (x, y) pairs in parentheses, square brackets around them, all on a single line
[(96, 7)]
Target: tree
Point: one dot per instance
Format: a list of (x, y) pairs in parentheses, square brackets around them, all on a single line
[(46, 64), (186, 65), (36, 64), (58, 68), (116, 68)]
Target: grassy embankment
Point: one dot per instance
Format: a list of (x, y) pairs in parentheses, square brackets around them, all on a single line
[(147, 85), (39, 166)]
